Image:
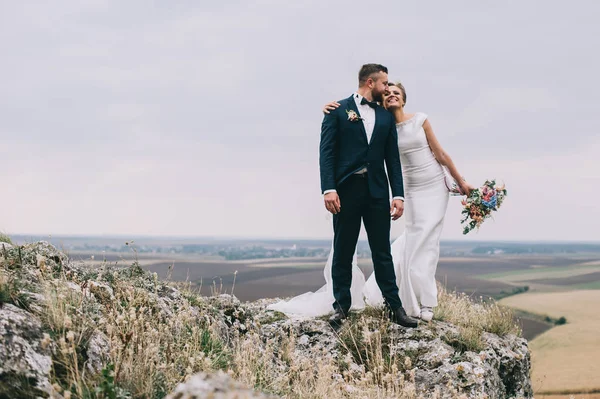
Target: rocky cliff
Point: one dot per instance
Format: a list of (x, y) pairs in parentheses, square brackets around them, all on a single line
[(72, 331)]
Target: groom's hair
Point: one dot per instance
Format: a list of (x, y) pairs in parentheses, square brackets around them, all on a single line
[(367, 70)]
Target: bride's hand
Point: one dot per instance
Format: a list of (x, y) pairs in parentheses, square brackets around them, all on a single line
[(330, 107), (466, 188)]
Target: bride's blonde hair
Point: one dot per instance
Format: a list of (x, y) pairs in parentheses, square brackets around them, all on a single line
[(402, 89)]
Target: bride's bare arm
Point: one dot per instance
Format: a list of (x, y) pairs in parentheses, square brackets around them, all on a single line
[(330, 107), (444, 159)]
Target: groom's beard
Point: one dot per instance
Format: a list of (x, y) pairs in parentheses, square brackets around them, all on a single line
[(377, 97)]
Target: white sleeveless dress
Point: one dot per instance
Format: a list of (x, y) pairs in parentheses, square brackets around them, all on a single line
[(415, 253)]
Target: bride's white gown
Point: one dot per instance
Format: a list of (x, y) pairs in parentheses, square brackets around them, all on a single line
[(415, 253)]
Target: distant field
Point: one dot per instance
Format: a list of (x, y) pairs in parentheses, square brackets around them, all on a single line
[(574, 396), (565, 357), (124, 258), (544, 278), (288, 277), (543, 272), (593, 285), (532, 328), (576, 279)]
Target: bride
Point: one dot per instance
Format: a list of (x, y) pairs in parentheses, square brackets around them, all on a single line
[(416, 252)]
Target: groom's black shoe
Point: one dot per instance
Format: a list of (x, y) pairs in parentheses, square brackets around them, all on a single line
[(399, 316), (338, 318)]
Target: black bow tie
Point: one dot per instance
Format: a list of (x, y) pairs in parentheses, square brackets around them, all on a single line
[(369, 103)]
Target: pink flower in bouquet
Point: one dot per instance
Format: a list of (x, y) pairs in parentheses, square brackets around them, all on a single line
[(488, 193)]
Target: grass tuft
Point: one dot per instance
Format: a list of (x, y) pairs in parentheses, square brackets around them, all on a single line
[(11, 291), (473, 319), (5, 238)]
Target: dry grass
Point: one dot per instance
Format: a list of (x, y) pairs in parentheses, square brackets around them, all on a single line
[(152, 349), (11, 291), (5, 238), (150, 353), (303, 377), (474, 318), (565, 357), (366, 341)]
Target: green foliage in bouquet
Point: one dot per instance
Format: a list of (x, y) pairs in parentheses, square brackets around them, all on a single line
[(481, 203)]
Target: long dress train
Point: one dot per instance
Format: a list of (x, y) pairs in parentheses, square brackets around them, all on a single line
[(318, 303)]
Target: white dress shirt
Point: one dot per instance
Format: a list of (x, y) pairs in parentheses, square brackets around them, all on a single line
[(367, 114)]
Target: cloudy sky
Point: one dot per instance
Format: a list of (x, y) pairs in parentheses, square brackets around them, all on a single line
[(202, 118)]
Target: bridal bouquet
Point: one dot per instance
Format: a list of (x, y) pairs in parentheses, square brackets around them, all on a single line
[(480, 204)]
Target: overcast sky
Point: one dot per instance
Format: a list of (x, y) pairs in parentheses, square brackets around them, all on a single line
[(202, 118)]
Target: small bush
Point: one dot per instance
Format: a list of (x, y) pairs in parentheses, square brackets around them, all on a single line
[(5, 238), (557, 322), (107, 389), (18, 386), (473, 319), (467, 339), (562, 320), (11, 291), (460, 310), (367, 340)]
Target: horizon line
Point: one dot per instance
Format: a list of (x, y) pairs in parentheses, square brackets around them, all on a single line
[(247, 238)]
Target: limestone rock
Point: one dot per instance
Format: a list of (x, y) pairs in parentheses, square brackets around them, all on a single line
[(215, 386), (500, 371), (25, 360), (4, 246), (98, 351)]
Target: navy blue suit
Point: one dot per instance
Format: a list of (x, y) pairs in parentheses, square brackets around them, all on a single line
[(344, 150)]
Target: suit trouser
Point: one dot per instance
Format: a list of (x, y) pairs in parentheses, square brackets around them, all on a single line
[(356, 205)]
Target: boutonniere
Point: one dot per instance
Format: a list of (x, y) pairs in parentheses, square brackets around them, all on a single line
[(353, 116)]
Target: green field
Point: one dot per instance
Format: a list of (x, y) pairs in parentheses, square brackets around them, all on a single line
[(594, 285), (576, 276), (537, 272)]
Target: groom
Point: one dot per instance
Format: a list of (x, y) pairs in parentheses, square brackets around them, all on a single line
[(357, 139)]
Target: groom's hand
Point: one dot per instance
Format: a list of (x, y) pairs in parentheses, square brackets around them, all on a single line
[(332, 202), (397, 209)]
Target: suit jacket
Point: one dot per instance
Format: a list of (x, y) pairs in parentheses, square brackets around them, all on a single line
[(344, 150)]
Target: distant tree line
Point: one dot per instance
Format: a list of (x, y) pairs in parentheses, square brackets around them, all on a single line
[(258, 252), (529, 248), (514, 291)]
